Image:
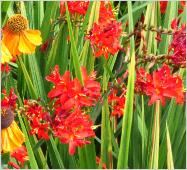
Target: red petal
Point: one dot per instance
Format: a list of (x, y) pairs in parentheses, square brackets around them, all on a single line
[(55, 92)]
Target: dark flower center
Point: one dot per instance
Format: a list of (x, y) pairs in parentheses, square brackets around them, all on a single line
[(17, 23), (7, 118)]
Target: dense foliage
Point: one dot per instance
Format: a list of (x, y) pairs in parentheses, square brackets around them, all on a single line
[(93, 84)]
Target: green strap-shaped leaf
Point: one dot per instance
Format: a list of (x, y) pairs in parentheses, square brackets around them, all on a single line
[(73, 47), (32, 159), (128, 111)]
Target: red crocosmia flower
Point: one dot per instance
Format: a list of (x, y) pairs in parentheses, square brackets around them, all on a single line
[(61, 83), (142, 80), (45, 46), (74, 130), (165, 85), (62, 7), (98, 160), (14, 165), (183, 3), (9, 101), (117, 102), (174, 24), (20, 155), (54, 77), (5, 68), (71, 98), (40, 128), (105, 38), (39, 119), (70, 95), (178, 45), (180, 11), (79, 7), (91, 87), (163, 6), (106, 14)]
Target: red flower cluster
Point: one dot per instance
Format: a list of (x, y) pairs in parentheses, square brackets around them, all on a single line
[(105, 38), (183, 3), (98, 160), (20, 155), (106, 14), (142, 79), (178, 45), (117, 102), (105, 35), (163, 6), (73, 130), (70, 94), (39, 119), (8, 101), (5, 68), (79, 7), (71, 125), (160, 85), (181, 7)]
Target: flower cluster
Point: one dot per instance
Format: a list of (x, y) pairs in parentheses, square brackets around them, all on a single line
[(71, 124), (161, 85), (21, 156), (39, 119), (182, 6), (98, 160), (117, 101), (9, 101), (142, 79), (163, 6), (70, 94), (104, 36), (106, 14), (73, 130), (79, 7), (178, 45), (5, 68)]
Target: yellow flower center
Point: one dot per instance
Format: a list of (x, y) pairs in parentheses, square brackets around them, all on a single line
[(17, 23)]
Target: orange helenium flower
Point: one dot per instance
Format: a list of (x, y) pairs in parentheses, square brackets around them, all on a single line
[(18, 38)]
